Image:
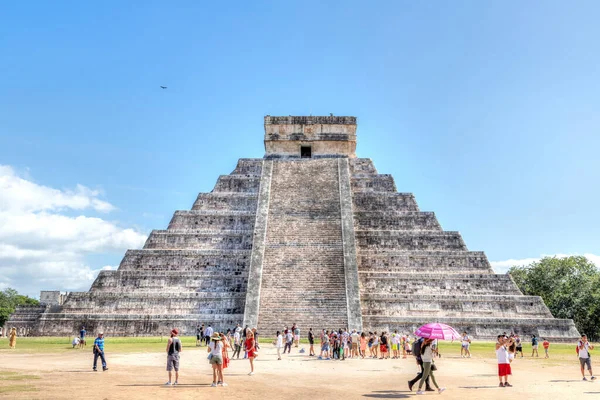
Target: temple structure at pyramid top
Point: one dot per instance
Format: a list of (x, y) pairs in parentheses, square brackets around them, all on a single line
[(309, 234), (310, 137)]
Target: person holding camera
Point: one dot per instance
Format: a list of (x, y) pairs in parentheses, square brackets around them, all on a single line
[(503, 357)]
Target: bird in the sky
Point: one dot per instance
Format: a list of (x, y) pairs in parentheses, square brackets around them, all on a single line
[(163, 87)]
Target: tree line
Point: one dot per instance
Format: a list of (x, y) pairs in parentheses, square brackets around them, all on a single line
[(569, 286)]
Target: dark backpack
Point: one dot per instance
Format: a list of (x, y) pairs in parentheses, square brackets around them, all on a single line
[(416, 348)]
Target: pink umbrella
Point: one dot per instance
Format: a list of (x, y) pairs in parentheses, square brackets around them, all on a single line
[(436, 330)]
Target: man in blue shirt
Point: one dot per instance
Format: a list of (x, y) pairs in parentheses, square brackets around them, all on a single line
[(99, 351)]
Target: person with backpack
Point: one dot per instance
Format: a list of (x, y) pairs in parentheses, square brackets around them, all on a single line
[(583, 351), (416, 351), (173, 350)]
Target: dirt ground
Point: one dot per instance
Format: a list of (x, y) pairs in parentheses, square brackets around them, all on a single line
[(69, 375)]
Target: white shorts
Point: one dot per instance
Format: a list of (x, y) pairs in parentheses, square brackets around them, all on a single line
[(534, 347), (297, 337)]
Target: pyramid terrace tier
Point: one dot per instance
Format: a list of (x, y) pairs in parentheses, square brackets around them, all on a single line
[(232, 262), (155, 303), (375, 183), (143, 324), (199, 239), (237, 184), (412, 284), (180, 282), (248, 166), (226, 202), (384, 201), (488, 328), (389, 220), (390, 240), (452, 305), (449, 262)]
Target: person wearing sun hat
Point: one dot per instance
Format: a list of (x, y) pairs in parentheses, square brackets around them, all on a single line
[(173, 350), (215, 348)]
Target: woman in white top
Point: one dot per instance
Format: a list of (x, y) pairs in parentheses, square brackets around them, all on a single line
[(215, 348), (279, 344), (427, 357)]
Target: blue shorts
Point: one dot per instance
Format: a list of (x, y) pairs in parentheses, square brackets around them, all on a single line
[(325, 347)]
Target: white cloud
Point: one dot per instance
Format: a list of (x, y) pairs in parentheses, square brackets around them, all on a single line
[(41, 248), (501, 267)]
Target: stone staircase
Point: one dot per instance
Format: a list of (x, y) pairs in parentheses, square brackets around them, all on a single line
[(303, 277)]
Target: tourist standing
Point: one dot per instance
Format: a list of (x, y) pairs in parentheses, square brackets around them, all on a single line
[(325, 346), (355, 340), (416, 350), (99, 351), (465, 349), (363, 344), (311, 342), (383, 340), (519, 345), (173, 350), (534, 346), (199, 332), (208, 332), (503, 360), (256, 341), (428, 366), (375, 345), (82, 333), (250, 349), (215, 348), (12, 341), (237, 342), (296, 337), (546, 345), (583, 350)]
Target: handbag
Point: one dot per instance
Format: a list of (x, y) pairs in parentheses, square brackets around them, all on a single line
[(210, 356), (433, 366)]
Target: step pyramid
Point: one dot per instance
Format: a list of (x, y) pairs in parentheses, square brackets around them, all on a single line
[(308, 234)]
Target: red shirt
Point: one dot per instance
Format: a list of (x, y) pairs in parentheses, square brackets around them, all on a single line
[(546, 344)]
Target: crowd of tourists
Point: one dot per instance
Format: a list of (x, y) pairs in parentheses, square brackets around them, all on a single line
[(341, 344)]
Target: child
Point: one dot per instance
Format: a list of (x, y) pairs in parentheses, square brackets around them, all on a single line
[(546, 345), (383, 346)]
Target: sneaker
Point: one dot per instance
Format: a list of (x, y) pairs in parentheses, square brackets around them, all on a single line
[(593, 378), (507, 384), (94, 369), (441, 390), (501, 384), (224, 384), (175, 383), (410, 385), (320, 358), (420, 392), (213, 385), (584, 378), (168, 383), (105, 369), (251, 373), (429, 389)]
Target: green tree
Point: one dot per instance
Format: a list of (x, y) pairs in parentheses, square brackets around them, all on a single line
[(9, 300), (570, 287)]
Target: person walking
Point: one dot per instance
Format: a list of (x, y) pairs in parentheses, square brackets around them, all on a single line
[(279, 344), (215, 350), (289, 339), (546, 345), (199, 332), (99, 351), (428, 366), (173, 350), (503, 358), (519, 345), (583, 350), (250, 349), (534, 346), (416, 351), (311, 341), (465, 349), (237, 343), (12, 341)]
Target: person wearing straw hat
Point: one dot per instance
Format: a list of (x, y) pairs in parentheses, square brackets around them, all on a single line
[(215, 348), (173, 350)]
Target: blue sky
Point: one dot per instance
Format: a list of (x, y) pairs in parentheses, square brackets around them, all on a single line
[(487, 111)]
